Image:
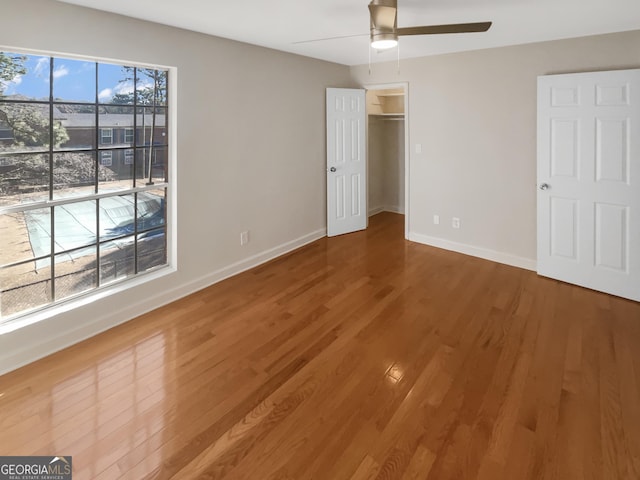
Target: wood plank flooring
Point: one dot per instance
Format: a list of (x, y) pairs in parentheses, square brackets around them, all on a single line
[(358, 357)]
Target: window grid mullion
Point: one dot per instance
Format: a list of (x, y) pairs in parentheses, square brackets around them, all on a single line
[(97, 180), (136, 267), (70, 150), (66, 201), (53, 254), (51, 185), (98, 242), (97, 114)]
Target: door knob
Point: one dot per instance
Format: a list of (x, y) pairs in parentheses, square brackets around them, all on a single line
[(544, 186), (332, 169)]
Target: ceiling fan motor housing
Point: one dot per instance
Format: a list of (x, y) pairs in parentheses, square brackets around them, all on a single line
[(384, 20)]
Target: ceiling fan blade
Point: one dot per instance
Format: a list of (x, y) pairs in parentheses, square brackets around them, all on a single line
[(451, 28), (383, 16), (331, 38)]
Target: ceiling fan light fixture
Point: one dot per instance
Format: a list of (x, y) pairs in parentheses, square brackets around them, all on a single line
[(384, 41)]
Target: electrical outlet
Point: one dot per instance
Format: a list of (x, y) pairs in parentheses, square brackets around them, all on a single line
[(244, 237), (418, 148), (436, 219), (455, 222)]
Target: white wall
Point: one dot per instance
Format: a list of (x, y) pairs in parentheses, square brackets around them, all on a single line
[(393, 164), (251, 153), (475, 115), (375, 165), (386, 164)]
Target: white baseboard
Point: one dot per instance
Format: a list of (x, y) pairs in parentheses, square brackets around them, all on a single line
[(251, 262), (394, 209), (43, 340), (387, 208), (375, 210), (480, 252)]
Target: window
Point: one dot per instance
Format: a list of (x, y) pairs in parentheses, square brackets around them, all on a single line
[(75, 218), (106, 136), (5, 133), (128, 157), (106, 158)]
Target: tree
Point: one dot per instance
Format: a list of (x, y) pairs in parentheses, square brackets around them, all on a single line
[(29, 124), (122, 99), (152, 94), (11, 67)]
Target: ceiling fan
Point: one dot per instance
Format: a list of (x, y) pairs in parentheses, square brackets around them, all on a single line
[(385, 32)]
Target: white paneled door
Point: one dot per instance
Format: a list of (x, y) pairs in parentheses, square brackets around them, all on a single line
[(589, 180), (346, 161)]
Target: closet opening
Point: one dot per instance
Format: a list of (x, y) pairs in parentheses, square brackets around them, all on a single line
[(387, 151)]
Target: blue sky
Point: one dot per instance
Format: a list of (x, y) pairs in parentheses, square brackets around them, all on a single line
[(73, 80)]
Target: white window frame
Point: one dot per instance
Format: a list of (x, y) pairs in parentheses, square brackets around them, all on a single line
[(129, 156), (128, 135), (106, 158), (106, 139)]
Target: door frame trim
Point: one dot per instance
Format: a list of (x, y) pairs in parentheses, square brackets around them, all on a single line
[(407, 176)]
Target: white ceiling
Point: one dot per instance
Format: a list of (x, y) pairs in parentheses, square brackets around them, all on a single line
[(279, 23)]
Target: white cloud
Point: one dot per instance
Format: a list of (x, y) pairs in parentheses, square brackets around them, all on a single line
[(124, 87), (9, 85), (87, 67), (42, 62), (61, 71), (144, 84), (105, 95)]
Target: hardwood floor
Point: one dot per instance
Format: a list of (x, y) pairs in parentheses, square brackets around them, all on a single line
[(358, 357)]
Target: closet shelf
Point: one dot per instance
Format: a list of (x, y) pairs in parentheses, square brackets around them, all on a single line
[(387, 103)]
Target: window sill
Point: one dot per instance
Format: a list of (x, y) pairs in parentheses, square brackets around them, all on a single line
[(82, 300)]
